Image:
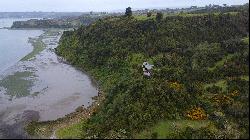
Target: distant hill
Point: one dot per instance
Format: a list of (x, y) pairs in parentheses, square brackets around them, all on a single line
[(61, 21), (39, 14)]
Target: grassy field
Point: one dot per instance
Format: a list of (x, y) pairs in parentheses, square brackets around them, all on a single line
[(70, 132), (246, 40), (153, 16), (164, 129), (221, 62), (245, 77), (64, 129), (220, 83)]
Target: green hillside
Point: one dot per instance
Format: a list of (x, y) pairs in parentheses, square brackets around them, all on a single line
[(191, 56)]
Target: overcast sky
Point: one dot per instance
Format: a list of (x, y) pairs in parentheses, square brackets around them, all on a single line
[(101, 5)]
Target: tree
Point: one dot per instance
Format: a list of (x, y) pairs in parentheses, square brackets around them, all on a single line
[(128, 12), (149, 14), (159, 16)]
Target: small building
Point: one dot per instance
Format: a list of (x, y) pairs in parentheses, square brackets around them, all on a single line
[(146, 67)]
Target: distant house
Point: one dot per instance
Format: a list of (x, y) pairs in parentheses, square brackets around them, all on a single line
[(146, 67)]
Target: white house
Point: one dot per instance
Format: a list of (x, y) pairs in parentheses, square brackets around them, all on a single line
[(146, 67)]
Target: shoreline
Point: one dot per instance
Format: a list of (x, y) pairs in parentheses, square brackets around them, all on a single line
[(47, 129), (36, 128), (91, 77), (15, 74), (78, 112), (81, 113), (38, 46)]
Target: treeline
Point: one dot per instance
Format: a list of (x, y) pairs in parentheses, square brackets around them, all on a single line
[(188, 53), (216, 8), (63, 22), (43, 23)]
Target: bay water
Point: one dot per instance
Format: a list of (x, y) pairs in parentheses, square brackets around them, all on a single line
[(14, 43)]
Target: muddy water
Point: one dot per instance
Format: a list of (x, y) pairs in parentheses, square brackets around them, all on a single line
[(56, 90)]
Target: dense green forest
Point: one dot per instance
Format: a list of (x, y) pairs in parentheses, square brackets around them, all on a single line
[(200, 75)]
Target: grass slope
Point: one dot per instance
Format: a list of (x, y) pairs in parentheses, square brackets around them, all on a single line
[(164, 129)]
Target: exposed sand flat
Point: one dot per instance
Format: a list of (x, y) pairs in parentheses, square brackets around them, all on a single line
[(57, 88)]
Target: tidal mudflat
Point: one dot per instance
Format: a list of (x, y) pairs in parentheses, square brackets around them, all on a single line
[(41, 87)]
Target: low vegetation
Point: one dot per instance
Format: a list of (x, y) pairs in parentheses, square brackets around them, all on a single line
[(38, 46), (197, 83), (199, 62)]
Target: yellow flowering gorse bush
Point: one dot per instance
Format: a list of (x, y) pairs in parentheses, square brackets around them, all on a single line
[(235, 93), (222, 99), (175, 85), (197, 113)]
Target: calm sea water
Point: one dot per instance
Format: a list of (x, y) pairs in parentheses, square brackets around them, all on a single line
[(14, 43), (56, 88)]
